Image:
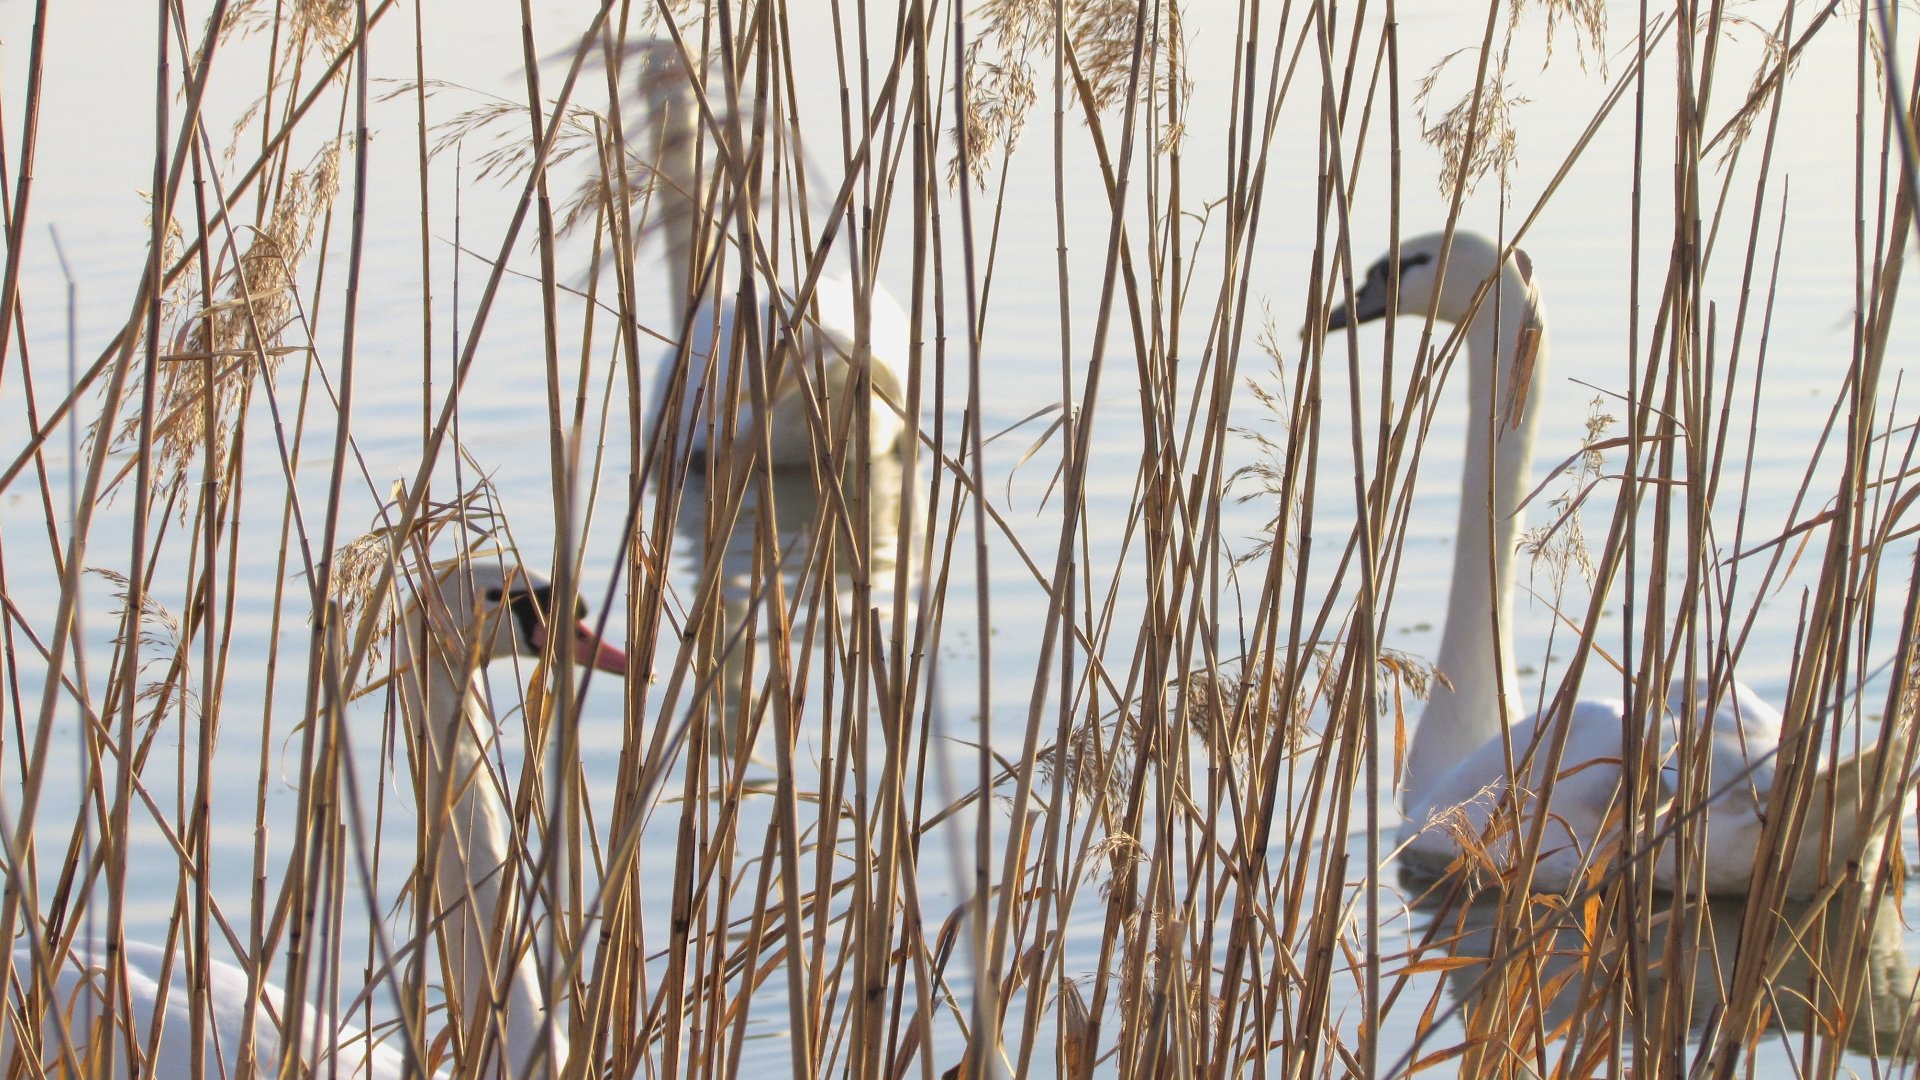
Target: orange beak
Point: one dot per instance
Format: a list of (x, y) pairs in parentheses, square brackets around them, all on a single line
[(589, 650)]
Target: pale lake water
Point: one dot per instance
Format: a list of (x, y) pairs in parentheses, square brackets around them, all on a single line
[(94, 162)]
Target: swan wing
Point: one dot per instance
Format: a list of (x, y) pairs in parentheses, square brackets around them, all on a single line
[(1459, 811), (81, 985)]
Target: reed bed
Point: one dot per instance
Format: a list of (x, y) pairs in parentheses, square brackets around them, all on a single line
[(1062, 738)]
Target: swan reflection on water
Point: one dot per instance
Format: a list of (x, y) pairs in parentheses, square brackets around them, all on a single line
[(1559, 975), (803, 588)]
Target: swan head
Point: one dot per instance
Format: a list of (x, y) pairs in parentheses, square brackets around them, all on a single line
[(658, 74), (661, 81), (1474, 259), (513, 615)]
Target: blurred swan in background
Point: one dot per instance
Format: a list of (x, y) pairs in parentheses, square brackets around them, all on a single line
[(816, 367), (746, 575)]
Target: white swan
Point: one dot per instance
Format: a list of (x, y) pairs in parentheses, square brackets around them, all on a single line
[(1557, 951), (489, 611), (79, 996), (1456, 772), (827, 337)]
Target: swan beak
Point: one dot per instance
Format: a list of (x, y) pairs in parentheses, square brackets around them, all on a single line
[(1366, 308), (588, 649)]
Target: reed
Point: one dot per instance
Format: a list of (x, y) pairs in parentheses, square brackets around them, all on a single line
[(1063, 736)]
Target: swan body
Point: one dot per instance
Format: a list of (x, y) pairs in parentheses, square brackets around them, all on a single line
[(828, 337), (1745, 729), (1873, 1016), (479, 612), (79, 995), (817, 366), (1456, 768)]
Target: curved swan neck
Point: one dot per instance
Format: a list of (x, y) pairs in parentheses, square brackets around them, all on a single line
[(1509, 323), (448, 710), (677, 183)]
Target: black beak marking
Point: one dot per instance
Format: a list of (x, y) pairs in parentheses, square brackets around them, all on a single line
[(529, 608), (1369, 303), (1370, 300)]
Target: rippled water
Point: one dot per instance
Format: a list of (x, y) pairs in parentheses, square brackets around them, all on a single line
[(94, 161)]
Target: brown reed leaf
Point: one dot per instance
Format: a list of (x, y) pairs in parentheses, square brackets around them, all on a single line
[(307, 24), (158, 628), (1266, 476), (1589, 19), (999, 93), (1439, 963), (503, 124), (356, 570), (1077, 1033), (228, 345), (1487, 123), (358, 564), (500, 126), (1476, 860), (1560, 546), (1765, 83), (1000, 69), (163, 646), (1111, 855), (1101, 33), (1221, 713)]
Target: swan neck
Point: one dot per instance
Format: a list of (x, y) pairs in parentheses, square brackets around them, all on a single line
[(447, 707), (677, 190), (1483, 696)]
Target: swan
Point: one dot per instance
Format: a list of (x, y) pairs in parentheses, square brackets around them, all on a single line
[(827, 336), (1558, 955), (1456, 771), (482, 610), (79, 996)]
